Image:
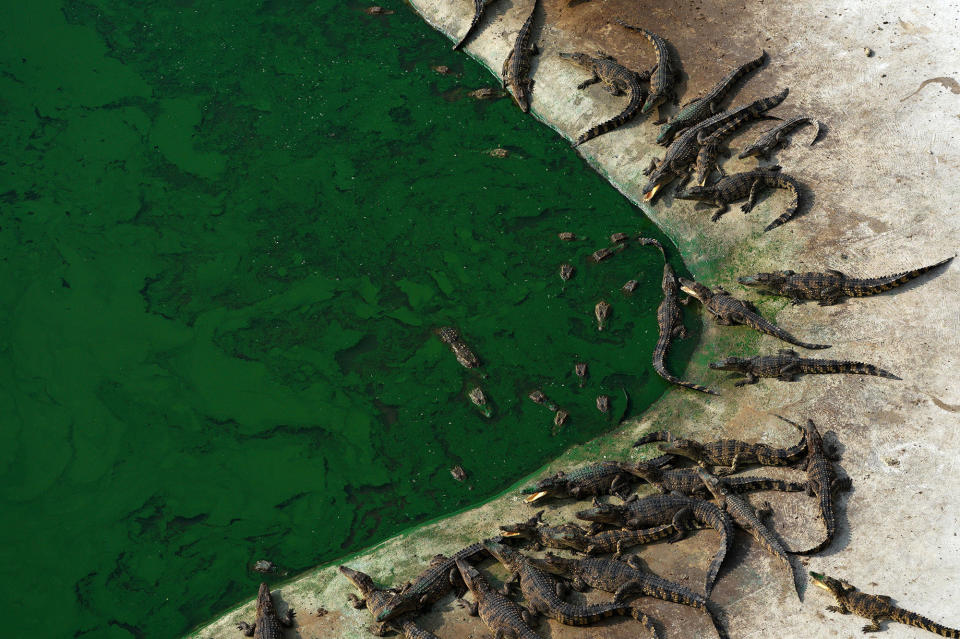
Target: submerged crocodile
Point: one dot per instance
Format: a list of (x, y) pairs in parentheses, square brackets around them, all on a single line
[(728, 311), (464, 355), (748, 185), (686, 481), (543, 593), (770, 139), (670, 321), (624, 579), (516, 68), (787, 364), (478, 8), (729, 454), (661, 74), (375, 599), (501, 615), (683, 151), (748, 519), (602, 478), (617, 80), (267, 623), (703, 107), (876, 608), (830, 287)]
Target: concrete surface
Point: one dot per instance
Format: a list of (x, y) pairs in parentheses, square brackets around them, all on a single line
[(881, 199)]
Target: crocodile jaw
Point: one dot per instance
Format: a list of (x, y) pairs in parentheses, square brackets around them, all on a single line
[(509, 534), (535, 496), (649, 195)]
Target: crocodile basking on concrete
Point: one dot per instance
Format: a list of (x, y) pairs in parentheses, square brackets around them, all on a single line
[(661, 74), (703, 107), (267, 623), (505, 618), (830, 287), (876, 608), (770, 139), (478, 7), (602, 478), (375, 599), (544, 594), (567, 536), (822, 482), (617, 80), (711, 145), (670, 321), (748, 519), (748, 184), (624, 579), (787, 364), (728, 454), (686, 481), (728, 311), (516, 68), (683, 151)]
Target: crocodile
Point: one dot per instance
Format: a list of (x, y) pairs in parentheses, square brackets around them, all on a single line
[(822, 481), (726, 453), (478, 8), (566, 272), (602, 313), (602, 478), (662, 75), (617, 80), (748, 519), (374, 599), (876, 608), (748, 185), (703, 107), (787, 364), (711, 145), (770, 139), (603, 403), (670, 321), (728, 310), (567, 536), (683, 150), (516, 68), (429, 586), (615, 541), (624, 579), (686, 482), (267, 623), (543, 593), (479, 399), (505, 618), (580, 368), (830, 287), (464, 355)]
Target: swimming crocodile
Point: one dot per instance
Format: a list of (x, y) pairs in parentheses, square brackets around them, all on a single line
[(686, 481), (601, 478), (703, 107), (787, 364), (617, 80), (375, 599), (748, 519), (683, 151), (748, 185), (728, 454), (543, 593), (728, 311), (830, 287), (876, 608), (662, 75), (501, 615), (464, 355), (516, 68), (478, 8), (267, 623), (770, 139), (670, 322)]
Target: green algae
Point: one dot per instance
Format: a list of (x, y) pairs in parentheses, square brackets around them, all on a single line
[(229, 233)]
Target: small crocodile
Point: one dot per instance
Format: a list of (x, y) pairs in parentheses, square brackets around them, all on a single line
[(516, 68), (479, 399), (670, 321), (770, 139), (267, 623), (728, 311), (429, 586), (661, 74), (711, 145), (683, 151), (464, 355), (567, 536), (703, 107), (830, 287), (602, 478), (748, 185), (686, 481), (478, 8), (617, 80), (822, 481), (876, 608), (501, 615), (543, 593), (602, 313), (375, 599), (787, 364), (580, 368), (615, 541), (726, 453), (748, 519)]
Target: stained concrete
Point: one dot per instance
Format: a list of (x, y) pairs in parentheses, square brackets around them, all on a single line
[(882, 192)]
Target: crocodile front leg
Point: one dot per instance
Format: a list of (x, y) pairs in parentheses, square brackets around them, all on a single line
[(752, 198), (722, 207), (588, 82), (751, 379), (287, 619), (246, 628), (873, 626), (652, 166)]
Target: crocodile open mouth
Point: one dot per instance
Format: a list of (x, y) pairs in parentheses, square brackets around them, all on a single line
[(509, 534), (535, 496), (649, 195)]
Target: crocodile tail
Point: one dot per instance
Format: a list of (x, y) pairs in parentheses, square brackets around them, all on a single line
[(644, 620), (919, 621), (656, 436), (478, 6), (765, 326), (860, 288), (650, 241), (786, 182), (587, 615), (746, 484), (765, 104), (636, 100), (829, 523), (719, 521), (850, 368), (662, 372)]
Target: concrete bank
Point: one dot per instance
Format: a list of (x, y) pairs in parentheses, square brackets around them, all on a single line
[(881, 199)]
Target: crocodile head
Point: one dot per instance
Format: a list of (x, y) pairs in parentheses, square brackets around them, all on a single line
[(510, 558), (471, 577), (660, 178), (696, 289), (565, 536), (360, 580), (579, 58), (264, 602), (525, 529), (555, 564), (552, 486), (697, 193), (769, 281), (730, 364), (684, 448), (834, 586), (666, 132), (603, 513), (711, 482)]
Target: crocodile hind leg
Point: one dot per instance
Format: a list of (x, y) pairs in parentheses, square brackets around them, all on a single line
[(751, 379), (873, 626), (653, 165)]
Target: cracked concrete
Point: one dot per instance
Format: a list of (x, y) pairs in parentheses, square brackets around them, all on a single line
[(883, 194)]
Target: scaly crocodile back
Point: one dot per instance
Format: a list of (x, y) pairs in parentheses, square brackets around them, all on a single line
[(608, 70), (661, 79), (783, 181), (516, 68), (878, 608), (826, 366), (478, 7)]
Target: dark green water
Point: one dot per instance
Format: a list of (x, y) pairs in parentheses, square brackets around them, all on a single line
[(229, 230)]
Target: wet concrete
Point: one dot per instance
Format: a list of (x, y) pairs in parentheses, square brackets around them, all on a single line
[(882, 192)]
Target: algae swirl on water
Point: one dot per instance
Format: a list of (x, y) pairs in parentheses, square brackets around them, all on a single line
[(230, 230)]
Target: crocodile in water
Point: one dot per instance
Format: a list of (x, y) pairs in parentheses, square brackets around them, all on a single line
[(748, 184), (729, 454), (267, 623), (662, 75), (770, 139), (787, 364), (501, 615), (516, 68), (464, 355)]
